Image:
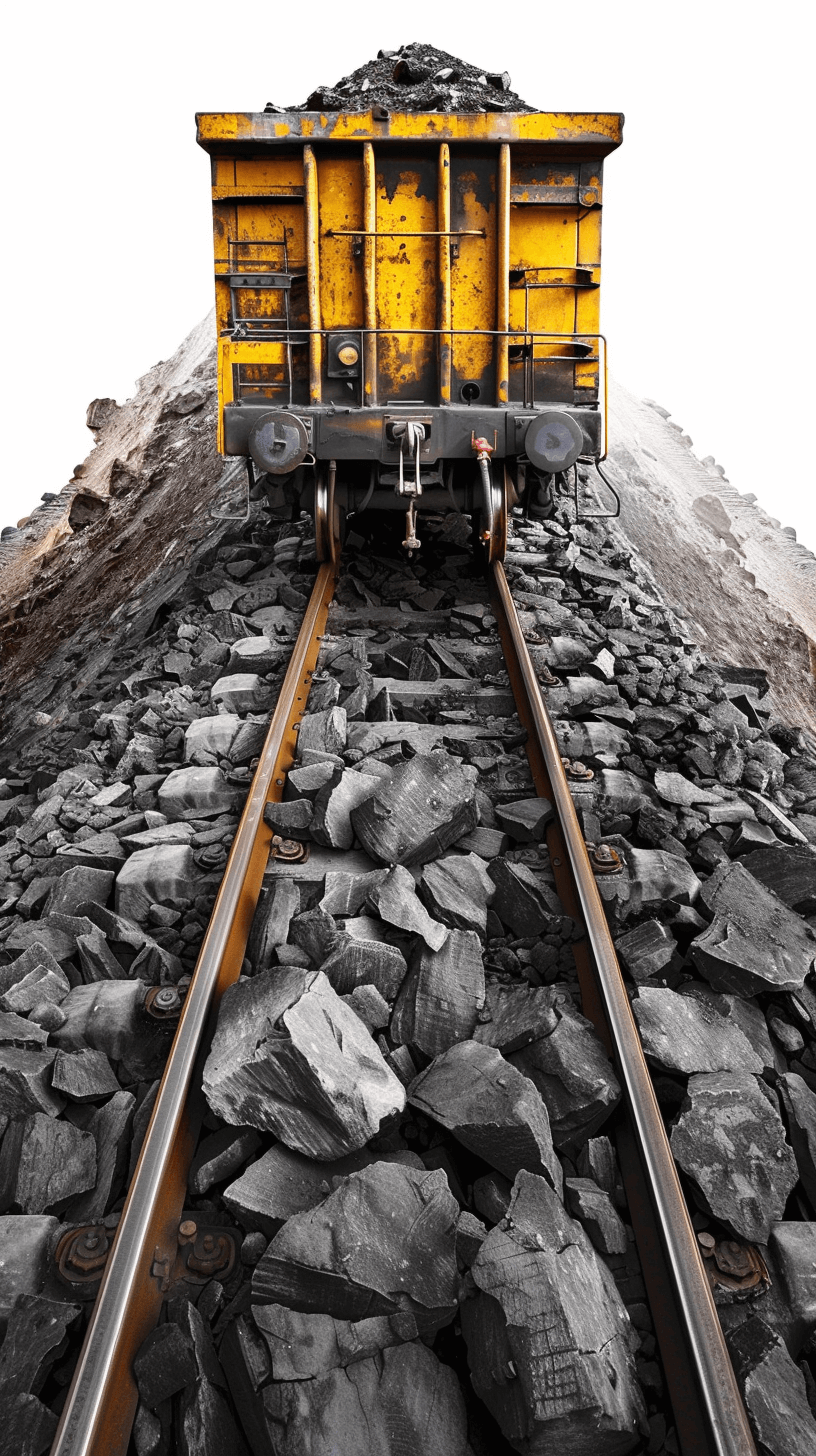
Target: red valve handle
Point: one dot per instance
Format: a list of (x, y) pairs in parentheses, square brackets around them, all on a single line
[(483, 449)]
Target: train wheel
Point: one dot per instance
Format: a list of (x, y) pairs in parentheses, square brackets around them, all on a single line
[(489, 534), (327, 516), (497, 543)]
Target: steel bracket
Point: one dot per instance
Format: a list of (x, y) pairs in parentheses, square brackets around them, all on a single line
[(203, 1251)]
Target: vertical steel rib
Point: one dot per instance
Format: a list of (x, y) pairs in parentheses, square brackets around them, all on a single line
[(720, 1425), (503, 276), (370, 273), (443, 213), (101, 1404), (313, 275)]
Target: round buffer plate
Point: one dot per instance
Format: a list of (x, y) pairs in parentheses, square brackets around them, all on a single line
[(278, 442), (553, 441)]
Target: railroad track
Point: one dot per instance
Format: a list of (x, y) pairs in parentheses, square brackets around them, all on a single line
[(705, 1401)]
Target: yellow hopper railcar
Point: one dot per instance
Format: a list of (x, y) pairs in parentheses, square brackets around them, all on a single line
[(407, 305)]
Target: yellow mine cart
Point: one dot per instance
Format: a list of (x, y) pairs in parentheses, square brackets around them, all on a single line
[(408, 304)]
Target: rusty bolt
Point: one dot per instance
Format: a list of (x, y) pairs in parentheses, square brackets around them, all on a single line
[(604, 859)]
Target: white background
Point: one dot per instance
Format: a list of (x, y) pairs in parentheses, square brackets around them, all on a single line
[(106, 243)]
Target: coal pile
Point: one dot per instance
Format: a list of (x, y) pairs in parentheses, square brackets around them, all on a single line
[(406, 1103), (415, 78)]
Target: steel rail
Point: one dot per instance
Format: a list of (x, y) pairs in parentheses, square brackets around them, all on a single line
[(708, 1410), (101, 1403)]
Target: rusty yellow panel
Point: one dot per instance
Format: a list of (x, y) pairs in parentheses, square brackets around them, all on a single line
[(340, 192), (588, 303), (473, 271), (406, 276), (269, 172), (223, 230), (224, 175), (600, 132), (543, 242)]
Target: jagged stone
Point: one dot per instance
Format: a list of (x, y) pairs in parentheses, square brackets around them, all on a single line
[(241, 692), (56, 933), (597, 1161), (592, 1207), (335, 804), (291, 818), (152, 876), (404, 1400), (270, 927), (384, 1241), (789, 870), (302, 1346), (220, 1155), (526, 819), (773, 1389), (673, 788), (136, 950), (35, 1338), (730, 1140), (323, 732), (110, 1127), (26, 1241), (109, 1016), (793, 1248), (755, 943), (470, 1235), (205, 1425), (76, 886), (195, 792), (307, 781), (427, 804), (371, 1007), (317, 933), (255, 654), (686, 1033), (799, 1102), (83, 1075), (36, 956), (540, 1032), (549, 1317), (395, 900), (457, 890), (208, 740), (491, 1108), (42, 985), (523, 901), (491, 1196), (356, 962), (25, 1082), (164, 1364), (45, 1161), (484, 842), (441, 997), (346, 894), (290, 1058), (647, 949), (282, 1183), (21, 1031)]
